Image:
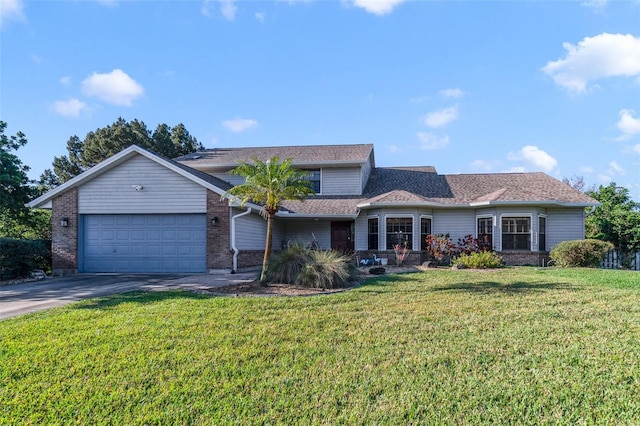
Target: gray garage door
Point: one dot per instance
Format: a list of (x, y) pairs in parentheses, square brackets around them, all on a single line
[(143, 243)]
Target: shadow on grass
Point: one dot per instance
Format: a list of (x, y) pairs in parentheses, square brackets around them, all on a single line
[(138, 297), (491, 287)]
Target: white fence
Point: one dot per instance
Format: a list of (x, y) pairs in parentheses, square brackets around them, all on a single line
[(612, 261)]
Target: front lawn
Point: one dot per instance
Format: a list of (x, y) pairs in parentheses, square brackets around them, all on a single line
[(517, 345)]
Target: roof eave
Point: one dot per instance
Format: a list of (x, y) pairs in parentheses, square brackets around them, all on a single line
[(316, 216), (401, 204), (534, 203)]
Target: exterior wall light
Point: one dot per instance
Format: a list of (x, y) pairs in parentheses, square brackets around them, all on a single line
[(64, 222), (214, 220)]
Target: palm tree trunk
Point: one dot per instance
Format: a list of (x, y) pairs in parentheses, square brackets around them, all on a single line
[(267, 250)]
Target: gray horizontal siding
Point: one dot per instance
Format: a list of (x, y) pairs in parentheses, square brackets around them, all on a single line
[(456, 223), (563, 225), (251, 232), (341, 181), (164, 191), (228, 177), (303, 232)]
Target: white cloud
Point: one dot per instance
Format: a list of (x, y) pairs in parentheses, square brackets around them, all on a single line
[(378, 7), (605, 55), (452, 93), (65, 81), (11, 10), (482, 165), (108, 3), (441, 117), (238, 125), (70, 108), (636, 148), (429, 141), (261, 16), (115, 87), (594, 4), (615, 168), (628, 124), (228, 9), (535, 158), (515, 169)]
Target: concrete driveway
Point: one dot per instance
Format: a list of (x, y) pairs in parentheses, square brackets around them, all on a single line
[(18, 299)]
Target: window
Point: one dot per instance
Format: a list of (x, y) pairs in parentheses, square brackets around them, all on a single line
[(314, 178), (399, 231), (542, 233), (485, 230), (425, 229), (373, 233), (516, 233)]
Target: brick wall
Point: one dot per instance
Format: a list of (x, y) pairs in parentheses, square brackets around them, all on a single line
[(525, 258), (64, 241), (219, 254), (249, 258)]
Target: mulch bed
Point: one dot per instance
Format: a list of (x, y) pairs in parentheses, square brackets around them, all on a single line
[(275, 289), (254, 288)]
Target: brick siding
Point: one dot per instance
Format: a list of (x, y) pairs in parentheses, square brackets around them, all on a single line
[(219, 253), (64, 241)]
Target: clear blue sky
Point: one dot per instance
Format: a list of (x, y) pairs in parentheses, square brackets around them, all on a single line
[(464, 86)]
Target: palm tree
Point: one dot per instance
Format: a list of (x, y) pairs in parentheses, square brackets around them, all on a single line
[(269, 184)]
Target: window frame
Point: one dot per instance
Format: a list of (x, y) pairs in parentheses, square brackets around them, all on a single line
[(542, 247), (313, 181), (516, 216), (389, 244), (492, 219), (377, 233), (423, 243)]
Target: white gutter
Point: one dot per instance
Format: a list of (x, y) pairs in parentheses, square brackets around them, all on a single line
[(233, 238)]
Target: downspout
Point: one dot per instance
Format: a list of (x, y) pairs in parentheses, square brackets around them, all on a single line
[(233, 238)]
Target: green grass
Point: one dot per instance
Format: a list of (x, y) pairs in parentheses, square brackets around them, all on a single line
[(517, 345)]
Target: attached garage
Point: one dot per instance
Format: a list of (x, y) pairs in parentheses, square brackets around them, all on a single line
[(137, 212), (143, 243)]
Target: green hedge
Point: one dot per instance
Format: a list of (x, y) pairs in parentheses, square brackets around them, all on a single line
[(19, 257), (580, 253), (479, 260)]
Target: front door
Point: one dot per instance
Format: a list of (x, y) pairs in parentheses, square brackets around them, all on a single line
[(342, 236)]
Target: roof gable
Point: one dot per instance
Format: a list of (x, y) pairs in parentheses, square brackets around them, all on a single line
[(210, 182)]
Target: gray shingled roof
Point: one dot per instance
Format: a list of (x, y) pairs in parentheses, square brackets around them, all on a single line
[(316, 154), (222, 184), (422, 186)]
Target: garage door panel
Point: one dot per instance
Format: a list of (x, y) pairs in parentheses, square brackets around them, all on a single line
[(144, 243)]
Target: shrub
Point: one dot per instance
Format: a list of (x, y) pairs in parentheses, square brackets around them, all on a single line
[(479, 260), (304, 266), (287, 265), (468, 245), (440, 248), (327, 269), (580, 253), (19, 257)]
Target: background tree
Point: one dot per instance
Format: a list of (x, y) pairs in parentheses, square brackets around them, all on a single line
[(16, 220), (269, 184), (577, 183), (102, 143), (617, 220), (15, 190)]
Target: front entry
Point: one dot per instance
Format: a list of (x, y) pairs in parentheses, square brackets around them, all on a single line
[(342, 236)]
